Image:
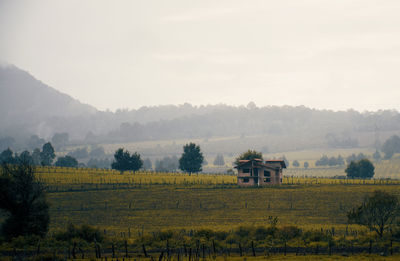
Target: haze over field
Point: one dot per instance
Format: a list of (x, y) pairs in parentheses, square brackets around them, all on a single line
[(127, 54)]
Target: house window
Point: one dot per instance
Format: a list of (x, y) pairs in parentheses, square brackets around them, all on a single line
[(246, 170), (267, 179), (267, 173), (245, 180)]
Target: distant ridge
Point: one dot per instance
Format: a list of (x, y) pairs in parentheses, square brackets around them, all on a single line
[(27, 101)]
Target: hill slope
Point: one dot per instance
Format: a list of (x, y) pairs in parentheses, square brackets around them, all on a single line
[(26, 102)]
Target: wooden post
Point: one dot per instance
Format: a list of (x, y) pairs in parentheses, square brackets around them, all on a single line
[(160, 258), (82, 253), (144, 251), (113, 250), (240, 250), (73, 251), (370, 246), (126, 249)]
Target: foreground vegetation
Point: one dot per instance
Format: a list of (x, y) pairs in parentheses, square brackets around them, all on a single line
[(161, 212)]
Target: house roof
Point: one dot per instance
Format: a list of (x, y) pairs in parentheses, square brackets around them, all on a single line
[(260, 162), (282, 162)]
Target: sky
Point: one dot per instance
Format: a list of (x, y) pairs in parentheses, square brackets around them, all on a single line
[(323, 54)]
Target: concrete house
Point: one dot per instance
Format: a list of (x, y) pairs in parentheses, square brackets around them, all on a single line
[(258, 173)]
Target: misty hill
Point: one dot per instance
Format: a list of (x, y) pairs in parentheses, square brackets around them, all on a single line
[(27, 106), (25, 102)]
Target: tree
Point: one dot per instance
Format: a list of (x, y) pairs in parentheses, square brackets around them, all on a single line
[(47, 155), (191, 159), (25, 156), (7, 156), (219, 160), (360, 169), (123, 160), (147, 165), (248, 155), (377, 212), (67, 161), (306, 165), (295, 163), (167, 164), (23, 198), (377, 156), (391, 146), (36, 157)]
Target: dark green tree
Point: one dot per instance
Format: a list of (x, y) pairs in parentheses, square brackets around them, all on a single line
[(47, 155), (219, 160), (360, 169), (25, 156), (391, 146), (123, 161), (248, 155), (67, 161), (306, 165), (377, 156), (7, 156), (377, 212), (191, 159), (22, 197), (295, 163)]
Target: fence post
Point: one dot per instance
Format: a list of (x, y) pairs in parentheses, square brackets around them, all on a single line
[(254, 252), (126, 249)]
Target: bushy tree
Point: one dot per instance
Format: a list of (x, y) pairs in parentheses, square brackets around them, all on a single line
[(377, 156), (219, 160), (391, 146), (377, 212), (306, 165), (67, 161), (123, 161), (354, 157), (47, 155), (23, 198), (191, 159), (7, 156), (167, 164), (147, 165), (360, 169), (295, 163), (248, 155)]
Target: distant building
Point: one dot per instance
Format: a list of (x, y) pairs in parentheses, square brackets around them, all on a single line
[(258, 173)]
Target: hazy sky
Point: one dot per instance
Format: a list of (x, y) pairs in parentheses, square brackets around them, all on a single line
[(126, 54)]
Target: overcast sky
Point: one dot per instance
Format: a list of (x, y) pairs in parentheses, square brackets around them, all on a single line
[(126, 54)]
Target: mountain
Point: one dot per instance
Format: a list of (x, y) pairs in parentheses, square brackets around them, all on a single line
[(26, 102)]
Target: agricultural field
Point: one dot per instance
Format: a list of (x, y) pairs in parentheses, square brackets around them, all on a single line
[(209, 213)]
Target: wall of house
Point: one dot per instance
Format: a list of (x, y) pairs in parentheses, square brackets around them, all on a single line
[(275, 176)]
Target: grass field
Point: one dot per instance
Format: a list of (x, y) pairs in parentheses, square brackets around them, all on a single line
[(137, 207), (145, 201)]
